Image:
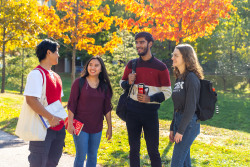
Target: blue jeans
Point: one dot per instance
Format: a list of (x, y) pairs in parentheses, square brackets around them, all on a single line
[(181, 153), (87, 144)]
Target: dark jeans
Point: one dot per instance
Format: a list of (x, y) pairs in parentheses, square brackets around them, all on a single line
[(150, 124), (181, 153), (47, 153)]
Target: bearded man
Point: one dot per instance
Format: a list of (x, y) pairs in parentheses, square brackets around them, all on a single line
[(142, 108)]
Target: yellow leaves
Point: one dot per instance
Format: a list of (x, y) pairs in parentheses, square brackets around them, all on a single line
[(88, 44), (22, 22), (91, 19), (105, 10), (109, 46), (66, 39)]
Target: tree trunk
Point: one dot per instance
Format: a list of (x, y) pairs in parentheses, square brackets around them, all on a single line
[(169, 46), (181, 40), (180, 28), (74, 46), (21, 89), (73, 64), (3, 69), (224, 83), (124, 51)]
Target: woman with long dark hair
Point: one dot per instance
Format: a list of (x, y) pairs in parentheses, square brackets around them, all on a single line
[(89, 107), (185, 125)]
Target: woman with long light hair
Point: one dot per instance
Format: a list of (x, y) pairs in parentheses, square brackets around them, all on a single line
[(185, 125)]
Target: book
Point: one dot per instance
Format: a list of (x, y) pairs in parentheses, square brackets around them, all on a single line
[(77, 124), (55, 109)]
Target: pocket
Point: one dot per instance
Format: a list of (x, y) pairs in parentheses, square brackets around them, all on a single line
[(194, 126), (197, 127)]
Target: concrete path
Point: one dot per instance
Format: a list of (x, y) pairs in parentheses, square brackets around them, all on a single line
[(14, 153)]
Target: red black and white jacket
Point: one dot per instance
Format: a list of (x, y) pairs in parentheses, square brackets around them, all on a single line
[(154, 74)]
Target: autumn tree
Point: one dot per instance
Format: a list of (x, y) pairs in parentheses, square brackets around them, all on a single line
[(175, 20), (116, 62), (75, 22), (22, 61), (228, 47), (19, 21)]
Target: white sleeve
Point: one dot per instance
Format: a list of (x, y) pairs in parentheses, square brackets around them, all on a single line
[(62, 93), (34, 84)]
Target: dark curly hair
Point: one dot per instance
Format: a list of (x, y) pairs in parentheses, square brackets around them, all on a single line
[(146, 35)]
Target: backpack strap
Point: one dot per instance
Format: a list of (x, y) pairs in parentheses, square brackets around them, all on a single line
[(43, 74), (43, 96), (81, 83), (105, 88), (134, 62)]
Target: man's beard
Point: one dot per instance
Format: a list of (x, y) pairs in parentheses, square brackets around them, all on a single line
[(145, 50)]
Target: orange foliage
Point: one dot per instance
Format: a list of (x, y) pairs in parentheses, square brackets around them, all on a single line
[(175, 20), (91, 19)]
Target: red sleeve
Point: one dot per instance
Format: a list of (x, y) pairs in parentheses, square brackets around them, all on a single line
[(165, 78)]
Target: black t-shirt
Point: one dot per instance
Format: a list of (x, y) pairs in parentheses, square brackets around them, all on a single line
[(185, 97)]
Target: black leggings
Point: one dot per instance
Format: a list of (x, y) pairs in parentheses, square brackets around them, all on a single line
[(150, 124)]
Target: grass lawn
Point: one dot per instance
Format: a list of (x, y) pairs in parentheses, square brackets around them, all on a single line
[(224, 140)]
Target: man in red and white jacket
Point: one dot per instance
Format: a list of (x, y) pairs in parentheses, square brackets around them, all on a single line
[(46, 153), (142, 108)]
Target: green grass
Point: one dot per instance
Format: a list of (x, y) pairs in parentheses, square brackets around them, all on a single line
[(215, 146), (224, 140), (10, 106), (233, 112), (66, 86)]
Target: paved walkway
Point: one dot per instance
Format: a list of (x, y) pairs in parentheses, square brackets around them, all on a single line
[(14, 153)]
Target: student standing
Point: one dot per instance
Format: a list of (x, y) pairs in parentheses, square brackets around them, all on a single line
[(89, 107), (143, 108), (185, 126), (46, 153)]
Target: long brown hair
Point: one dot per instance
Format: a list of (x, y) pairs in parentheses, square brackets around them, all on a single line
[(103, 76), (191, 61)]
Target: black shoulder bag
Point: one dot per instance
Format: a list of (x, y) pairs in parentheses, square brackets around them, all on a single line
[(121, 109)]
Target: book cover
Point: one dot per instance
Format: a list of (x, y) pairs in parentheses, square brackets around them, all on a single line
[(55, 109), (77, 124)]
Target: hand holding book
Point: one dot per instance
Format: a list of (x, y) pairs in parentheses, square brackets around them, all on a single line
[(77, 126), (71, 129), (55, 121), (57, 110)]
